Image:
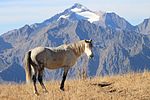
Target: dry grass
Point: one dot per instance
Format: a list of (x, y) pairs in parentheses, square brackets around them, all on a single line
[(125, 87)]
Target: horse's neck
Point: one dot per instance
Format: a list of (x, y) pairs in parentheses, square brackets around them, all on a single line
[(78, 48)]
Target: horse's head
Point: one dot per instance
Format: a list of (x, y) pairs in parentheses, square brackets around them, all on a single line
[(88, 48)]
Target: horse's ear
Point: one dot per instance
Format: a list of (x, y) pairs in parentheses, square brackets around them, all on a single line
[(86, 41), (91, 40)]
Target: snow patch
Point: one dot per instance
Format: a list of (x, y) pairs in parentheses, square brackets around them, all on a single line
[(83, 13), (90, 16), (63, 16), (76, 10)]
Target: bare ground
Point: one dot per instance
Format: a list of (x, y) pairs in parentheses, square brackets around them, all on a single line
[(133, 86)]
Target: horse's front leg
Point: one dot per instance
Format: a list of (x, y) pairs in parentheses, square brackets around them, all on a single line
[(64, 78)]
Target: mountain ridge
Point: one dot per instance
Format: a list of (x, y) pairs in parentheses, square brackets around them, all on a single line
[(45, 22)]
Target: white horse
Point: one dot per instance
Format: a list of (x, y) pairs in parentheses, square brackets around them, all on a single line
[(64, 56)]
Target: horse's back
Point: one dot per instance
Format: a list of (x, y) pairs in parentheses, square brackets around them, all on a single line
[(59, 57), (50, 57), (53, 58)]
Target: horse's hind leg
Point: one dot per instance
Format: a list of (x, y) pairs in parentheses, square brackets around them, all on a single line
[(34, 82), (40, 79)]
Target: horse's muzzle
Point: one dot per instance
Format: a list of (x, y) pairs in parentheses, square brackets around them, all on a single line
[(91, 56)]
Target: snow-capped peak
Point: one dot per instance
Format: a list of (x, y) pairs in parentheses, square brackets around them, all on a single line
[(82, 12), (78, 8)]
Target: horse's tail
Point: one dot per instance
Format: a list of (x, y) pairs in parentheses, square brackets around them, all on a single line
[(27, 65)]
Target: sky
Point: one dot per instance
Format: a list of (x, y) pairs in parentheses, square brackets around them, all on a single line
[(15, 14)]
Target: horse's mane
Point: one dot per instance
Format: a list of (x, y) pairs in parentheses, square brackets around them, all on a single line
[(77, 47)]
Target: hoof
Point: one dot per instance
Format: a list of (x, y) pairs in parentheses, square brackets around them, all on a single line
[(45, 91), (36, 93), (62, 89)]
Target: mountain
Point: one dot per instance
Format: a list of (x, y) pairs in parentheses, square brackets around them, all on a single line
[(144, 27), (119, 47)]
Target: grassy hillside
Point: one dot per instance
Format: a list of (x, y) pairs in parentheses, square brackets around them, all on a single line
[(124, 87)]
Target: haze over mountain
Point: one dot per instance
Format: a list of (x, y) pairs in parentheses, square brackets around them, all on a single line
[(119, 47)]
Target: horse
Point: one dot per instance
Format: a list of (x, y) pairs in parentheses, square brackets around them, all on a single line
[(63, 56)]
